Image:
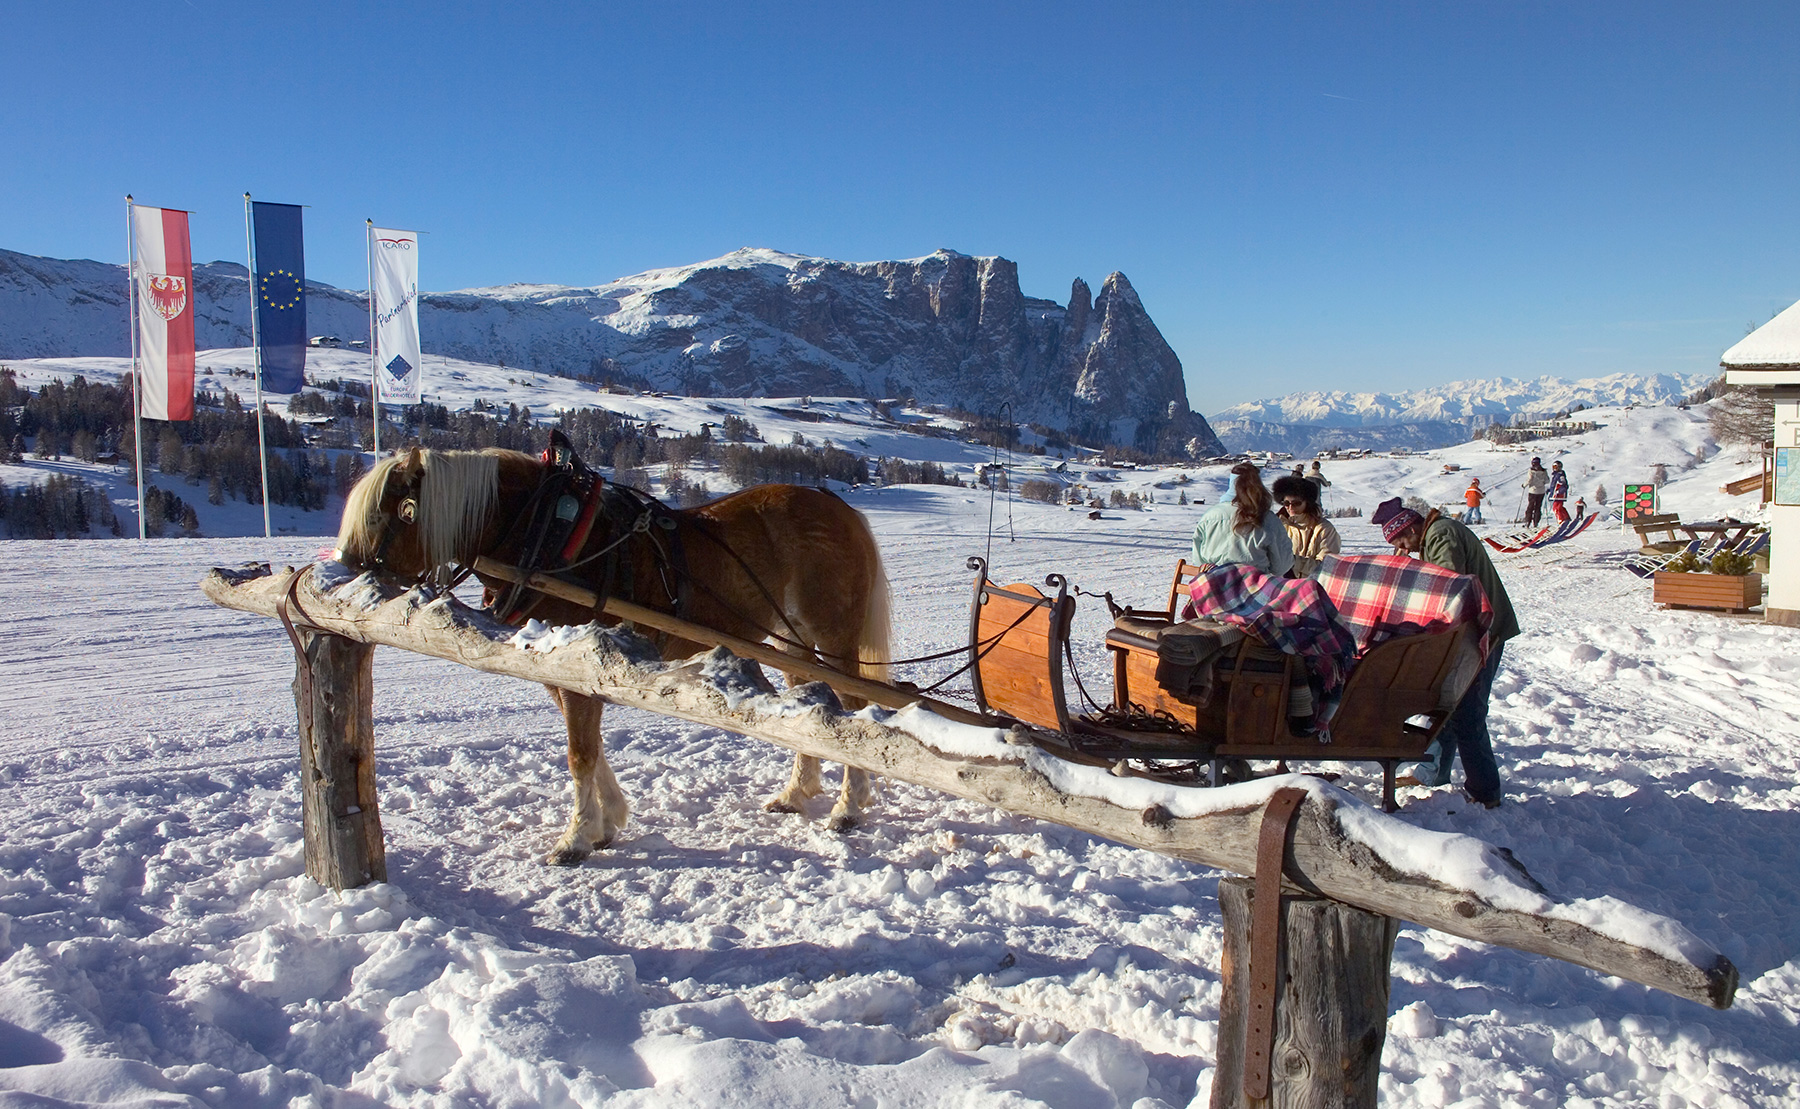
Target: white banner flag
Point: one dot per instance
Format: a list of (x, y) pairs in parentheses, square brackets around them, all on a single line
[(394, 277)]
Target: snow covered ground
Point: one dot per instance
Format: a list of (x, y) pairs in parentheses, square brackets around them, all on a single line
[(159, 944), (162, 946)]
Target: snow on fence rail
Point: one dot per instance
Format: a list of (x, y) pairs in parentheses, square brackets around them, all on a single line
[(1340, 849)]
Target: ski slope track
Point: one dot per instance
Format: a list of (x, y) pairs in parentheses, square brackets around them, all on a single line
[(160, 945)]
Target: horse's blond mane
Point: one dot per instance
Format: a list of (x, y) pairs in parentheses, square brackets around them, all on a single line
[(456, 496)]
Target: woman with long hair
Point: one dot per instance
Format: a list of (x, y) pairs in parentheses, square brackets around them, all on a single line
[(1312, 535), (1243, 529)]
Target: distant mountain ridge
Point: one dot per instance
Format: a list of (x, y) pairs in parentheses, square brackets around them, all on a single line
[(947, 328), (1432, 417)]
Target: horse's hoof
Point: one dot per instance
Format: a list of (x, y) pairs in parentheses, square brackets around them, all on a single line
[(776, 804), (842, 822), (567, 856)]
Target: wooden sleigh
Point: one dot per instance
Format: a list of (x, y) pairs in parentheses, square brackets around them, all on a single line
[(1394, 703)]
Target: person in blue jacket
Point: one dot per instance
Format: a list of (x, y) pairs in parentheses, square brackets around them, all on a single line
[(1559, 492), (1243, 529)]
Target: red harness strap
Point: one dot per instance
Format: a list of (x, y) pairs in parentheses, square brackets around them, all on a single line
[(584, 524)]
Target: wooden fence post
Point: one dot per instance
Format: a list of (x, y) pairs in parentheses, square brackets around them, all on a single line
[(1332, 1003), (334, 680)]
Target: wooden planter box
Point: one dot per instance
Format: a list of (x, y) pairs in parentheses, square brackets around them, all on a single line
[(1734, 592)]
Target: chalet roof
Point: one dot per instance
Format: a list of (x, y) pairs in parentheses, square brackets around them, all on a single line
[(1775, 344)]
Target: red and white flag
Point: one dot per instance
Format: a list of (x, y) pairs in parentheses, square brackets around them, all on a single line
[(164, 280)]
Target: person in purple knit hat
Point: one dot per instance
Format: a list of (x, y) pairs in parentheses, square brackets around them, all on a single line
[(1442, 541)]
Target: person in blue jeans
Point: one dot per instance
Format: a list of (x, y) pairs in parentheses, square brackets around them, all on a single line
[(1444, 542)]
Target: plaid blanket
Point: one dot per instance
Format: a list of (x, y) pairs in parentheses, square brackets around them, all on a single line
[(1378, 597), (1293, 615), (1354, 604)]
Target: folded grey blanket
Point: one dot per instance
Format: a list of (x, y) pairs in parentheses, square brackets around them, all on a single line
[(1184, 660)]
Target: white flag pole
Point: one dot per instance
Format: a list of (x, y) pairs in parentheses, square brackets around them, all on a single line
[(262, 443), (374, 375), (137, 377)]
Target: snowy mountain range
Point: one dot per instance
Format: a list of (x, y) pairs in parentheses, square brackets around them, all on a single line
[(1432, 417), (947, 329)]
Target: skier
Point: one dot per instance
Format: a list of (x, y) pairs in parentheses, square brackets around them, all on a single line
[(1559, 492), (1536, 482), (1317, 477), (1473, 496)]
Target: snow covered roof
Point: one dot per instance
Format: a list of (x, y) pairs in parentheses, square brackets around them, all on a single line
[(1773, 346)]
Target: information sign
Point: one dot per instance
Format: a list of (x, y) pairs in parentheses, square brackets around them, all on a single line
[(1787, 475)]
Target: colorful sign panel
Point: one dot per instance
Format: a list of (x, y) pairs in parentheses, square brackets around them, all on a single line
[(1640, 501)]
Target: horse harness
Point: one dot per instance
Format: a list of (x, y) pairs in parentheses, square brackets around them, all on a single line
[(558, 524)]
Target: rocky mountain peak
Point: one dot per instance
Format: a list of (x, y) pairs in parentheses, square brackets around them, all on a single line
[(948, 328)]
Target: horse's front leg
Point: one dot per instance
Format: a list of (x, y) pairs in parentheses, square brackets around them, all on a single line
[(852, 800), (803, 785), (600, 809)]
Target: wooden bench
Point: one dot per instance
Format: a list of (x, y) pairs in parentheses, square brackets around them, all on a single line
[(1755, 483), (1665, 524)]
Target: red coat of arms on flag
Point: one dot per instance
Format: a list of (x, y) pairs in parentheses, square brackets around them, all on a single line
[(166, 294)]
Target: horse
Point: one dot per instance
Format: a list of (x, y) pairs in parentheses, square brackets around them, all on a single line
[(783, 562)]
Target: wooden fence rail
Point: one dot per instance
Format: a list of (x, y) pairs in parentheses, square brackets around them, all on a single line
[(1340, 848)]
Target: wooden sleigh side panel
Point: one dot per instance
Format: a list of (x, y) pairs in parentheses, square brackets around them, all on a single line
[(1018, 635), (1415, 675)]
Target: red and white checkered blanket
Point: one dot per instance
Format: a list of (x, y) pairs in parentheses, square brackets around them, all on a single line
[(1378, 597)]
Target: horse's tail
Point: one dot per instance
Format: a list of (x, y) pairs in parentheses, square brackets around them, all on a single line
[(873, 649)]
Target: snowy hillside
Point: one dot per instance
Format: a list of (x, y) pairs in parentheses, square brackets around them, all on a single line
[(947, 329), (1624, 448), (1485, 399), (1438, 416)]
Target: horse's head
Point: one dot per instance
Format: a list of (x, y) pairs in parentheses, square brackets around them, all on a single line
[(419, 511)]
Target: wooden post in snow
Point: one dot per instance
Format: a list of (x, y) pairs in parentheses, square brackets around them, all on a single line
[(1331, 989), (334, 698)]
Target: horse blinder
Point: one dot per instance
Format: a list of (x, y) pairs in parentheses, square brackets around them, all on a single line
[(405, 512)]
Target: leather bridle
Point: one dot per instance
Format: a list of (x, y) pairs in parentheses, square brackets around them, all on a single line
[(393, 508)]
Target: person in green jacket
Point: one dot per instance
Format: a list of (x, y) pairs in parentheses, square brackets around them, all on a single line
[(1444, 542)]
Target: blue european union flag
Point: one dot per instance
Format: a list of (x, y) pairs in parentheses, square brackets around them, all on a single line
[(280, 283)]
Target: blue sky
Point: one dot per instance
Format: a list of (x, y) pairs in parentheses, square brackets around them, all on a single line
[(1305, 196)]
